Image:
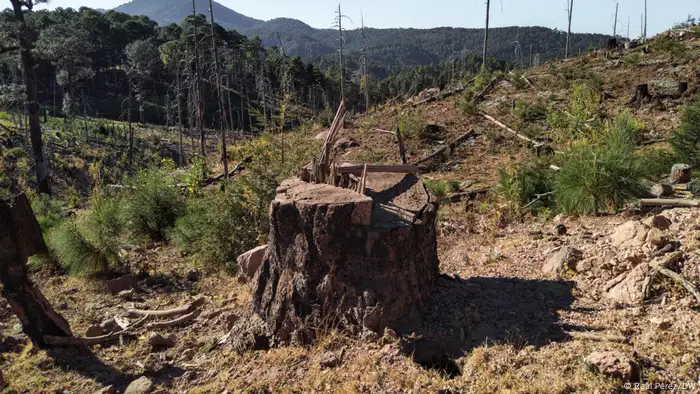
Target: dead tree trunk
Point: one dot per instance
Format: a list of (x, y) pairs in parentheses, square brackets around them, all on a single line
[(568, 32), (220, 94), (486, 33), (198, 84), (20, 238)]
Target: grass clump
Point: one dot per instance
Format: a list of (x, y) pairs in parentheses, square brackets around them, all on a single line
[(526, 185), (440, 188), (686, 140), (528, 113)]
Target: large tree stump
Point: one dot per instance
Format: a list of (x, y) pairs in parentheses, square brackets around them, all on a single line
[(680, 173), (337, 258), (641, 95), (20, 238)]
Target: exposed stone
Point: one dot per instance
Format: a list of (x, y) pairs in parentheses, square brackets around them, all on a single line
[(125, 282), (109, 325), (370, 260), (658, 221), (630, 234), (331, 360), (680, 173), (157, 340), (126, 294), (428, 93), (657, 238), (249, 333), (322, 135), (562, 260), (94, 331), (249, 262), (611, 364), (661, 322), (584, 266), (141, 385), (631, 287), (106, 390), (345, 143), (661, 190)]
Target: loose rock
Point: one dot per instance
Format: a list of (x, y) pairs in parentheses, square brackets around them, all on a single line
[(680, 173), (564, 259), (661, 190), (106, 390), (158, 341), (249, 262), (126, 282), (584, 266), (94, 331), (630, 234), (611, 364), (141, 385), (630, 287), (658, 221), (657, 238)]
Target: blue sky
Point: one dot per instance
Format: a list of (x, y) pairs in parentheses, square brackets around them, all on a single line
[(589, 15)]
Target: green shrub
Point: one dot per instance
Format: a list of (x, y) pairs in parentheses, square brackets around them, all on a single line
[(75, 252), (525, 112), (412, 124), (581, 118), (466, 103), (601, 175), (668, 44), (153, 203), (686, 140), (48, 212), (441, 187), (15, 153), (521, 185)]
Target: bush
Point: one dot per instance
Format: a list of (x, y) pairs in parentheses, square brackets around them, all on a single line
[(686, 140), (525, 112), (412, 124), (48, 212), (521, 185), (153, 204), (603, 174), (582, 116)]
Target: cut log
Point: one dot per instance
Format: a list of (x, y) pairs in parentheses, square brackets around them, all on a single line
[(20, 238), (669, 202), (327, 266), (448, 148), (170, 312), (388, 168)]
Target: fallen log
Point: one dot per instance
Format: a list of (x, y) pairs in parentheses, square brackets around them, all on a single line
[(238, 168), (170, 312), (176, 322), (503, 126), (390, 168), (592, 336), (470, 195), (669, 202), (451, 146), (477, 99)]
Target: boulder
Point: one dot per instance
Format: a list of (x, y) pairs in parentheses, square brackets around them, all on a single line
[(157, 340), (631, 287), (94, 331), (680, 173), (630, 234), (126, 282), (611, 364), (584, 266), (562, 260), (661, 190), (658, 221), (344, 143), (109, 325), (657, 238), (364, 261), (249, 262), (141, 385), (322, 135), (106, 390)]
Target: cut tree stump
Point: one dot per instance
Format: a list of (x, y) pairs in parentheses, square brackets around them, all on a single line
[(681, 173), (682, 88), (20, 238), (337, 258), (641, 95)]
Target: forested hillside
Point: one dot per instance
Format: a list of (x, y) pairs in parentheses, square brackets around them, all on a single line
[(389, 50)]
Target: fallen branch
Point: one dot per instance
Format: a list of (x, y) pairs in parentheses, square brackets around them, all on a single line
[(451, 146), (238, 168), (384, 131), (538, 198), (692, 289), (591, 336), (73, 341), (176, 322), (170, 312), (471, 194), (391, 168), (477, 99), (669, 202), (503, 126)]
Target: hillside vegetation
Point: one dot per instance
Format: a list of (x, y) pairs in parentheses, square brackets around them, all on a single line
[(539, 185)]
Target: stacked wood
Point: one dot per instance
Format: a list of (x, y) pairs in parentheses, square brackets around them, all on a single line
[(20, 238)]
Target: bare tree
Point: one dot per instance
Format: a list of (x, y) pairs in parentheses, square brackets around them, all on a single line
[(617, 8), (339, 24), (26, 50), (570, 11), (486, 32), (198, 84), (645, 20), (365, 73), (219, 93)]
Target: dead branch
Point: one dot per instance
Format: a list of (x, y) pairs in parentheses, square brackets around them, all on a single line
[(538, 197), (661, 269), (479, 97), (503, 126), (371, 168), (592, 336), (176, 322), (321, 167), (384, 131), (402, 147), (170, 312), (73, 341), (669, 202), (451, 146), (470, 195), (236, 170)]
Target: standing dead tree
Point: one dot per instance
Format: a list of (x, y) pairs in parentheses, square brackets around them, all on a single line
[(486, 32), (570, 11), (198, 84), (365, 72), (617, 8), (20, 238), (219, 92), (645, 20), (339, 24)]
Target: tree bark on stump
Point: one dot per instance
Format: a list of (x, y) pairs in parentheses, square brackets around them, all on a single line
[(682, 88), (20, 238), (641, 94), (339, 259)]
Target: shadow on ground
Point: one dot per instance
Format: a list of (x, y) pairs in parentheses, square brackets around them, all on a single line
[(84, 362), (462, 314)]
